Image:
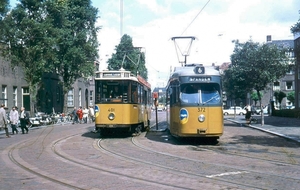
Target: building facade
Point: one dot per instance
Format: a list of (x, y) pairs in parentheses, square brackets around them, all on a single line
[(14, 89), (50, 97)]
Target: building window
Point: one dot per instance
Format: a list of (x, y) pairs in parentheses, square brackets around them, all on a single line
[(91, 97), (4, 95), (71, 98), (79, 97), (276, 86), (15, 96), (25, 91), (289, 85)]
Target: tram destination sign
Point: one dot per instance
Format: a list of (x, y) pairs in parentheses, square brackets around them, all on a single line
[(108, 75), (199, 79)]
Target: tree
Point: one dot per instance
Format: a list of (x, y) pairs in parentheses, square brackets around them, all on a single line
[(296, 27), (256, 65), (233, 88), (128, 57), (291, 97), (76, 45), (4, 8), (279, 95), (52, 36), (24, 32)]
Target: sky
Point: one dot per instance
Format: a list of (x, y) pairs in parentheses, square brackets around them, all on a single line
[(213, 23)]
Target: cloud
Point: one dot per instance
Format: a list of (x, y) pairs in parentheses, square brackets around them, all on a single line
[(215, 28), (153, 6)]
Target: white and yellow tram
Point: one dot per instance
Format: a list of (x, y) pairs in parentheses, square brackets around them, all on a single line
[(122, 101)]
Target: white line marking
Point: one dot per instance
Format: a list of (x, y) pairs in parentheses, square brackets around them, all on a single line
[(227, 173)]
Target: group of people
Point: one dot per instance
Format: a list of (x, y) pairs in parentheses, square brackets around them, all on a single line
[(79, 116), (83, 115), (14, 118)]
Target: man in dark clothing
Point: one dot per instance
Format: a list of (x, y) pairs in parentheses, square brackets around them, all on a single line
[(75, 117), (24, 117)]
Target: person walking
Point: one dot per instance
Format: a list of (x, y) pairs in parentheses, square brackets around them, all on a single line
[(248, 114), (85, 112), (79, 114), (23, 119), (3, 119), (14, 119), (91, 114), (75, 117)]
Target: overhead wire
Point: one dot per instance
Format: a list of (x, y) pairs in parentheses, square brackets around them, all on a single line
[(195, 17)]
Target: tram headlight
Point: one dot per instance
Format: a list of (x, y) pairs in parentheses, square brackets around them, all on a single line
[(201, 118), (111, 116)]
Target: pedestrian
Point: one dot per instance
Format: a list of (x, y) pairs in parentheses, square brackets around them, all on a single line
[(85, 112), (3, 119), (14, 119), (24, 117), (91, 114), (74, 114), (79, 114), (248, 114)]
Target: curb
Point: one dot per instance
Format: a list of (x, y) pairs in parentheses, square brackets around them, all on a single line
[(265, 130)]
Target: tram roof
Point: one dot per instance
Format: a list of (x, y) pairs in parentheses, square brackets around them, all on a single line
[(120, 75), (189, 70)]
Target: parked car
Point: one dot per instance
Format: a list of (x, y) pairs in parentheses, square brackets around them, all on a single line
[(238, 110), (265, 111), (290, 107)]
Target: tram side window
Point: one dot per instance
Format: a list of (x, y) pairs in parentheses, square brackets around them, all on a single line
[(98, 92), (142, 94), (139, 94), (134, 93), (173, 95)]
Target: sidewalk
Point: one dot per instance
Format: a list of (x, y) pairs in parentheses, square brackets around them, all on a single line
[(281, 126)]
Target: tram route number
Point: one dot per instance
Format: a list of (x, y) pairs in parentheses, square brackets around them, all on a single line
[(201, 109), (111, 109)]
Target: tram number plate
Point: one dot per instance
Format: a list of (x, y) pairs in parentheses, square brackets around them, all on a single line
[(201, 109), (111, 126), (111, 109)]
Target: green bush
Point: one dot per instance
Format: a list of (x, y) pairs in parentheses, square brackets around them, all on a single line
[(294, 113)]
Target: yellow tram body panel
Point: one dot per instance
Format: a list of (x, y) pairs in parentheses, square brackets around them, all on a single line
[(184, 121), (124, 115)]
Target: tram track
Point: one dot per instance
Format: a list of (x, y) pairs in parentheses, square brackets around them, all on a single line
[(228, 170), (78, 163), (18, 161), (130, 150)]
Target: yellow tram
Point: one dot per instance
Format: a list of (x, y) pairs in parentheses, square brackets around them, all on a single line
[(122, 101), (195, 102)]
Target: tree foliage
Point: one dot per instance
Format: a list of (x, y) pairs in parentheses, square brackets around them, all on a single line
[(291, 97), (255, 97), (24, 32), (296, 27), (254, 66), (75, 49), (51, 36), (279, 95), (4, 8), (128, 57)]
